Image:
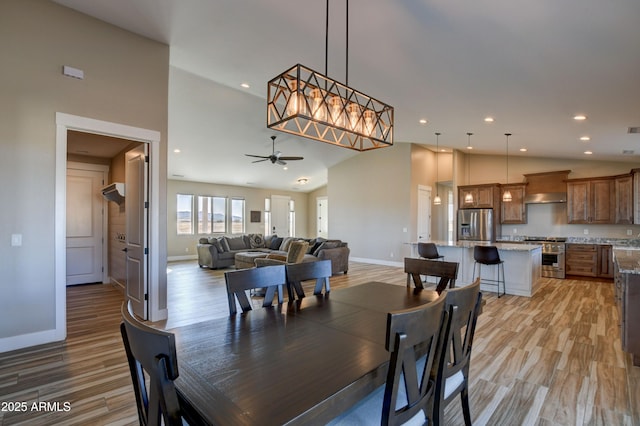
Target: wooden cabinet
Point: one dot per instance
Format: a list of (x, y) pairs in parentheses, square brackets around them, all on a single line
[(514, 211), (636, 195), (627, 287), (589, 260), (484, 196), (605, 261), (623, 196), (591, 201), (581, 259)]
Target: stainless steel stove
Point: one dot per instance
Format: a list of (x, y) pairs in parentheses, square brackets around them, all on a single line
[(553, 255)]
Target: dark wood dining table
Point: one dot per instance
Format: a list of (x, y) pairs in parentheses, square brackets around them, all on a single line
[(299, 363)]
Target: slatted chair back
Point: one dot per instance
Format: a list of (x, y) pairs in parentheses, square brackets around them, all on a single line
[(151, 352), (452, 373), (414, 338), (446, 271), (298, 272), (271, 278)]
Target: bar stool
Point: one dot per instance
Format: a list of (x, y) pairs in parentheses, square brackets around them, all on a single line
[(429, 251), (488, 255)]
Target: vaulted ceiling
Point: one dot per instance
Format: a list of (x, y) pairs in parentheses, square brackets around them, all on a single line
[(532, 66)]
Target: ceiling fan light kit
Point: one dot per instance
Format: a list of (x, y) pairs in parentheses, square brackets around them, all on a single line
[(305, 103)]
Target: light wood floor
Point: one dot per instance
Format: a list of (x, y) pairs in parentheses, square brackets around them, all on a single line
[(553, 359)]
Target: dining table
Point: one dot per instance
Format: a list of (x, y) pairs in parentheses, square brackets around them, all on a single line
[(302, 362)]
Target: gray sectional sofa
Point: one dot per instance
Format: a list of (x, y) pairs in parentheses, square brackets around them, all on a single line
[(242, 250)]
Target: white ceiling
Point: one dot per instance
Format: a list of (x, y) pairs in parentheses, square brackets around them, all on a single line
[(532, 65)]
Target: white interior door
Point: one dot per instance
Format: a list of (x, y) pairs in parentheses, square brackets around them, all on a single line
[(137, 245), (280, 215), (424, 213), (85, 223), (322, 208)]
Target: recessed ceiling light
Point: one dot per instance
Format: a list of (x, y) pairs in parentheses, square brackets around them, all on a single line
[(303, 181), (285, 168), (423, 121), (585, 138), (588, 152), (469, 147), (177, 151), (580, 117), (245, 85), (523, 149), (488, 120)]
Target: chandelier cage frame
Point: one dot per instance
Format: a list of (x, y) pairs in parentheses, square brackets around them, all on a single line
[(306, 103)]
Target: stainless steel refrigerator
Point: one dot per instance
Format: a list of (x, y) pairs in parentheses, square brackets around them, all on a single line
[(476, 225)]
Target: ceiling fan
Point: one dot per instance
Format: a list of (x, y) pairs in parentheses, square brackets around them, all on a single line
[(275, 157)]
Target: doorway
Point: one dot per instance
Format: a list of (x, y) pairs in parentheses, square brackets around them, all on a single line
[(64, 123), (280, 209), (322, 211), (424, 213)]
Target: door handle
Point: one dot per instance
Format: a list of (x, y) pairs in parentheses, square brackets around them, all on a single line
[(125, 249)]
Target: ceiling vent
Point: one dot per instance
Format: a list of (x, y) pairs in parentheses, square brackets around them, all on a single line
[(633, 130)]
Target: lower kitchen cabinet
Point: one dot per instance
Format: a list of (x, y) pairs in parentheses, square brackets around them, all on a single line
[(605, 261), (627, 288), (581, 259)]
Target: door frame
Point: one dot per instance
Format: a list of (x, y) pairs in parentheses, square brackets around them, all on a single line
[(65, 122), (429, 189), (104, 169)]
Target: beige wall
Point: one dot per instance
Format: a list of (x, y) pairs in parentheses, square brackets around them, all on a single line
[(369, 202), (126, 79), (180, 246)]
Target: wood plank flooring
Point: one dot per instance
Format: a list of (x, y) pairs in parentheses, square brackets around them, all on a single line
[(553, 359)]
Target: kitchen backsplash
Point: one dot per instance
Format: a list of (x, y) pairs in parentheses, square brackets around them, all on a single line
[(551, 220)]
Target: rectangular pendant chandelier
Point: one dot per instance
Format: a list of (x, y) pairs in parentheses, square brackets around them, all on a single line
[(306, 103)]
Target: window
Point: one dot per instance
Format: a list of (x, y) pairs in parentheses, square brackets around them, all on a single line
[(237, 216), (267, 216), (184, 214), (219, 214), (204, 215)]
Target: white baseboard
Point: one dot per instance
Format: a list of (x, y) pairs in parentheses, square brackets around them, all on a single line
[(31, 339), (186, 257), (377, 261)]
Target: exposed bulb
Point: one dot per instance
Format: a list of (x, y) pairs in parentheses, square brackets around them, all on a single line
[(297, 103), (318, 109), (336, 111)]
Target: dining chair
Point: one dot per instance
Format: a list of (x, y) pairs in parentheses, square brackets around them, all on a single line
[(271, 278), (446, 271), (151, 353), (298, 272), (429, 251), (414, 339), (452, 370)]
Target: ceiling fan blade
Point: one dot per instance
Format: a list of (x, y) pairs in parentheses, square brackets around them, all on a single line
[(282, 163), (259, 161), (291, 158), (257, 156)]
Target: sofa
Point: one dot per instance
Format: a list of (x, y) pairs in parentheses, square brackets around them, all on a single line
[(242, 250)]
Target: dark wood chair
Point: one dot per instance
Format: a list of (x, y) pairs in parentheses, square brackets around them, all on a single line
[(151, 352), (298, 272), (429, 251), (414, 338), (446, 271), (452, 369), (271, 278)]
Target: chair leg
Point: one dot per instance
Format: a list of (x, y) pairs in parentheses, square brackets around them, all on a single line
[(466, 412)]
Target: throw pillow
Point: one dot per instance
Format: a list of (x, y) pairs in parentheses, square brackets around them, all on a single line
[(236, 243), (286, 243), (203, 240), (314, 247), (297, 250), (256, 240), (268, 238), (326, 245), (224, 244), (275, 243)]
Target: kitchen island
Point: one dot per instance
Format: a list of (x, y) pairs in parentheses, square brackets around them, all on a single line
[(522, 264)]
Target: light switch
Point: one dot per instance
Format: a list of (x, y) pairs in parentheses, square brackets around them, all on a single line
[(16, 240)]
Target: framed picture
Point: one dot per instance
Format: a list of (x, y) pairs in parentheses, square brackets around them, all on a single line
[(255, 216)]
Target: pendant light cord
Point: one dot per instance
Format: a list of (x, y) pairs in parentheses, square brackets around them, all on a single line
[(507, 152), (326, 43), (346, 61), (437, 162)]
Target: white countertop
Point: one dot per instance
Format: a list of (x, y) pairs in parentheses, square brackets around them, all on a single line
[(627, 259), (499, 246)]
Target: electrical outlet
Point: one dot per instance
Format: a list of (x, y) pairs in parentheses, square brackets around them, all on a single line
[(629, 231), (586, 232), (515, 230)]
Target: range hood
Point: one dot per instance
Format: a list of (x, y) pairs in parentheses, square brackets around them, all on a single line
[(114, 192), (547, 187)]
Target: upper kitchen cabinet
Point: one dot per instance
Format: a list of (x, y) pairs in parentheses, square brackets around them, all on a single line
[(514, 211), (623, 193), (484, 196), (591, 200)]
